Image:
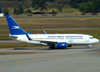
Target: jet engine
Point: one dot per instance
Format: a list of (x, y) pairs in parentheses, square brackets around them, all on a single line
[(62, 45)]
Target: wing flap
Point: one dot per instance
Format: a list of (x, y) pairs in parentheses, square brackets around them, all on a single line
[(47, 42)]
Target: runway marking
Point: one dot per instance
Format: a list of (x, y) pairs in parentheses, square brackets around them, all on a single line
[(20, 61), (98, 52), (41, 59)]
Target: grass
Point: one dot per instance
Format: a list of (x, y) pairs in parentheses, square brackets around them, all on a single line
[(16, 45), (54, 22), (70, 10)]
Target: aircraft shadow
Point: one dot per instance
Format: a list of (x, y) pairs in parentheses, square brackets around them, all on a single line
[(47, 48)]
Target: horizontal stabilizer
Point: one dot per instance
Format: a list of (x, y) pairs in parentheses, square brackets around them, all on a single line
[(1, 12), (1, 15)]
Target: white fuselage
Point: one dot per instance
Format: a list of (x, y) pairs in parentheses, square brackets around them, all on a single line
[(71, 39)]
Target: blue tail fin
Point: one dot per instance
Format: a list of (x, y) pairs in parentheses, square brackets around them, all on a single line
[(14, 28)]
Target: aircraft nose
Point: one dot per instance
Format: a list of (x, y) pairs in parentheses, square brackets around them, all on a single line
[(97, 40)]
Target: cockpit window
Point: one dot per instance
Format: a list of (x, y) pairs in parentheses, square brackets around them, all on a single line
[(91, 37)]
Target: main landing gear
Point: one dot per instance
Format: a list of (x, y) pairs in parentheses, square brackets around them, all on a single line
[(88, 46), (52, 46)]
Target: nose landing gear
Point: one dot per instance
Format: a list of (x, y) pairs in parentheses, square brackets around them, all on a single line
[(88, 46)]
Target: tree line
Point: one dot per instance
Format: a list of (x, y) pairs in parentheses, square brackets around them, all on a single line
[(85, 6)]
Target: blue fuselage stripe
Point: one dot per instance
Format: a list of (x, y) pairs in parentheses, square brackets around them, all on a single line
[(28, 37)]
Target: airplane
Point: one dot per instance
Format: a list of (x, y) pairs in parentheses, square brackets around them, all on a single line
[(51, 40)]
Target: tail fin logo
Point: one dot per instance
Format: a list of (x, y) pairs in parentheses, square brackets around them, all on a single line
[(16, 27), (9, 17)]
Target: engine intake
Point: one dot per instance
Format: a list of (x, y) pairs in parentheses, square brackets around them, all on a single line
[(62, 45)]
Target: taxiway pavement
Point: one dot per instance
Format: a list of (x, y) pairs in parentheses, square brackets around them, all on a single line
[(63, 60)]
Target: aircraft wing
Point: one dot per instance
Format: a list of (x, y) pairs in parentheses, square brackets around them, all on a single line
[(47, 42)]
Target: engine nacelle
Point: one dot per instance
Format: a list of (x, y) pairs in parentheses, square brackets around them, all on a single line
[(62, 45)]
